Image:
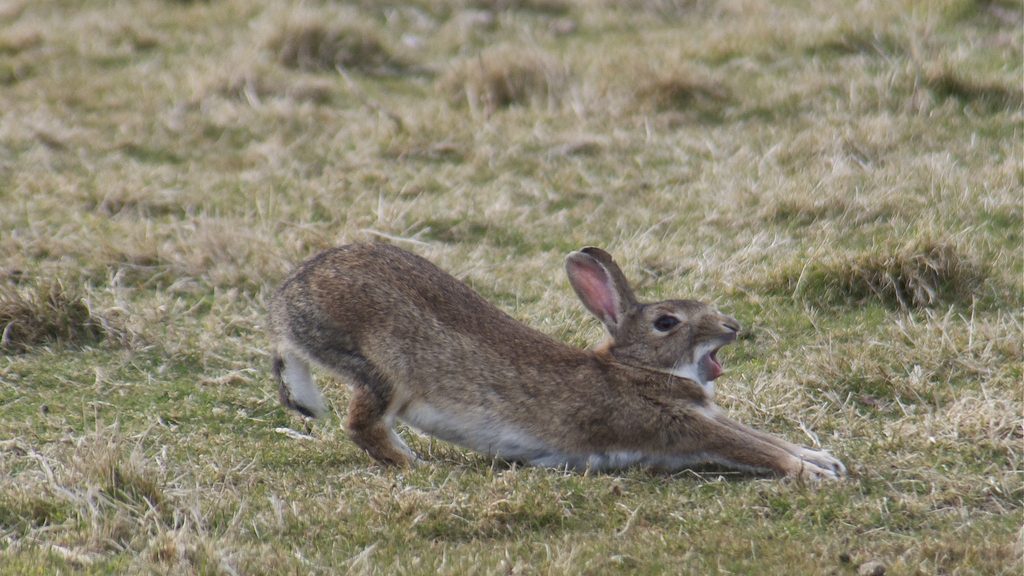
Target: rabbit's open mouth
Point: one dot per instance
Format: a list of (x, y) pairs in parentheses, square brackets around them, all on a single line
[(712, 366)]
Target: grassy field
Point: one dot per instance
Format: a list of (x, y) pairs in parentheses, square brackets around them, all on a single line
[(845, 178)]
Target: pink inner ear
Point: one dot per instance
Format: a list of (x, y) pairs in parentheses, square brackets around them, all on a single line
[(595, 288)]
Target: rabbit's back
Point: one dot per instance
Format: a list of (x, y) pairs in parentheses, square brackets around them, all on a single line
[(408, 318)]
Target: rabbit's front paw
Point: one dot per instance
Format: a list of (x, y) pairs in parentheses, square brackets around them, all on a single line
[(823, 460), (810, 472)]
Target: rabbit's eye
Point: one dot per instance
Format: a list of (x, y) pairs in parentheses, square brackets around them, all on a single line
[(665, 323)]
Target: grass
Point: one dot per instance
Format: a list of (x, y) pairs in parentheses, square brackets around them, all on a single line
[(683, 91), (925, 273), (306, 42), (844, 179), (50, 312), (505, 76)]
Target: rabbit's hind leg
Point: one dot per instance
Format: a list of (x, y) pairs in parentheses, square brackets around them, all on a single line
[(370, 425), (296, 388)]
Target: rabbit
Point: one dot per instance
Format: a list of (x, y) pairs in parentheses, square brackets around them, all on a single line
[(419, 346)]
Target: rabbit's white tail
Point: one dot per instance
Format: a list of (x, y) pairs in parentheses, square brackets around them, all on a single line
[(296, 388)]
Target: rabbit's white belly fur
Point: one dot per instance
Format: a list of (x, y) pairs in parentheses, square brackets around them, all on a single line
[(475, 429), (597, 461), (483, 433), (622, 459)]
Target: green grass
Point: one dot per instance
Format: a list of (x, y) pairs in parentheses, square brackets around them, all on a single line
[(845, 179)]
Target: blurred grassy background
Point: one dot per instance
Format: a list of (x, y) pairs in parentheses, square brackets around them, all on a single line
[(844, 178)]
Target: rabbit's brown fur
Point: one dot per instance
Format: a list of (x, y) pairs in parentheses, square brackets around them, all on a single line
[(418, 345)]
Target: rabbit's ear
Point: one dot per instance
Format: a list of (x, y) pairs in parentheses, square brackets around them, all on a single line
[(600, 284)]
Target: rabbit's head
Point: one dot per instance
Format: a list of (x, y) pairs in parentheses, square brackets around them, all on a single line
[(681, 337)]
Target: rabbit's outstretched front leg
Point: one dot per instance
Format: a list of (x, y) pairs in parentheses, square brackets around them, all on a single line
[(730, 442), (818, 458)]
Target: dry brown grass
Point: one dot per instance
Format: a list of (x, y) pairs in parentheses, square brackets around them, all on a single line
[(124, 497), (504, 76), (258, 85), (933, 359), (687, 90), (920, 274), (802, 212), (849, 41), (305, 41), (552, 7), (950, 83), (51, 311), (19, 40)]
